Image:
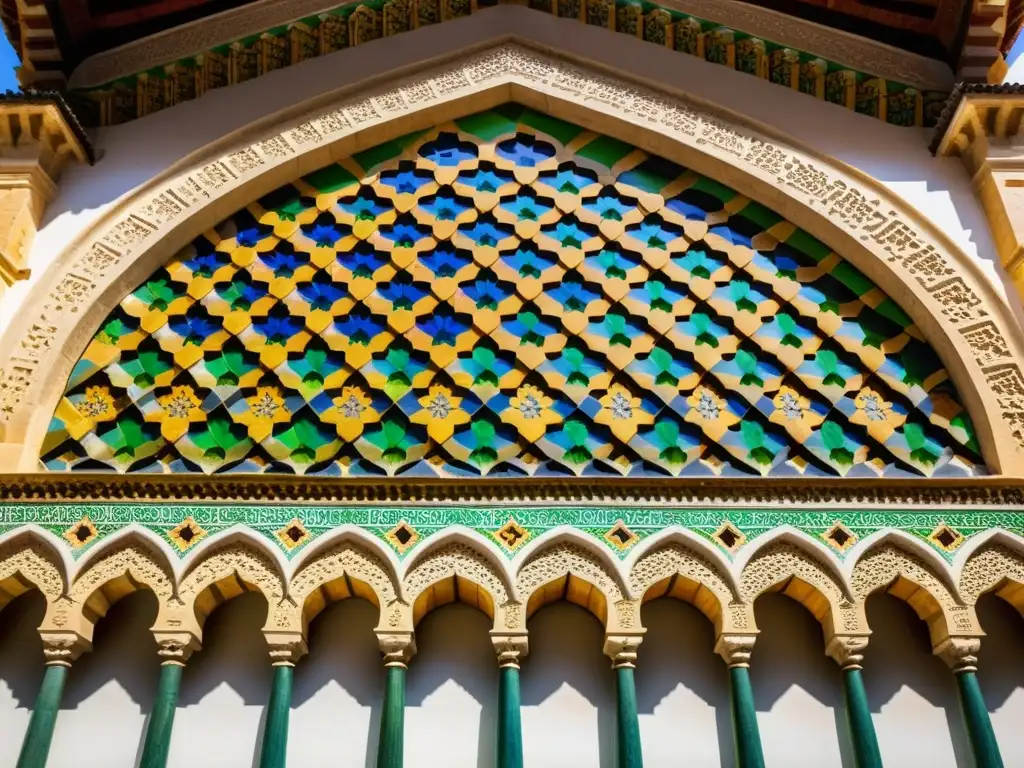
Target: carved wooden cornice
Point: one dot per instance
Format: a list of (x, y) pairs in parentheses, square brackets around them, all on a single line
[(81, 487)]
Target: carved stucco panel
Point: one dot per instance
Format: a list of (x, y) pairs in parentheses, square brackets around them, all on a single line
[(882, 566), (34, 563), (673, 559), (987, 568), (345, 559), (249, 564), (456, 559), (566, 559), (780, 562)]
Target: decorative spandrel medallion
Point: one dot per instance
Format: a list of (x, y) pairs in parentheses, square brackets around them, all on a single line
[(510, 295)]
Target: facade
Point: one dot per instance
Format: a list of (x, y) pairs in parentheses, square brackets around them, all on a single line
[(513, 322)]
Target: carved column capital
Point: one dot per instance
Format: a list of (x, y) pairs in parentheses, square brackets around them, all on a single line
[(622, 648), (61, 648), (847, 650), (510, 647), (960, 653), (175, 647), (286, 648), (735, 649), (397, 647)]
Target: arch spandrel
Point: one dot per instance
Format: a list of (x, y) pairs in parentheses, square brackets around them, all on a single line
[(994, 567), (126, 567), (907, 576), (222, 572), (27, 561), (460, 570), (797, 571), (673, 569), (342, 570), (506, 365)]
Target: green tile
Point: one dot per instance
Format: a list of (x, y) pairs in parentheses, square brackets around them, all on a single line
[(605, 150), (852, 278), (552, 126), (371, 158), (891, 310), (808, 245), (329, 179), (487, 125)]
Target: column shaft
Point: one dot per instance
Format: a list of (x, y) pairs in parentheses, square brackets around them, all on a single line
[(746, 737), (979, 726), (161, 720), (275, 730), (36, 746), (629, 752), (858, 718), (510, 725), (391, 747)]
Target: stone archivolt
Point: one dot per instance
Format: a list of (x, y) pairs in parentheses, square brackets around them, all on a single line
[(555, 571)]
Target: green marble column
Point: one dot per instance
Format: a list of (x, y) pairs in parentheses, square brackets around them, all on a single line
[(391, 747), (161, 720), (510, 724), (858, 719), (629, 752), (36, 746), (984, 748), (746, 737), (275, 729)]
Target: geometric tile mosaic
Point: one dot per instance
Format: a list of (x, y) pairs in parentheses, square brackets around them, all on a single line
[(510, 295)]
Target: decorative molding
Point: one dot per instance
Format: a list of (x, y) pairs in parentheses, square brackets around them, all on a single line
[(181, 64), (964, 319)]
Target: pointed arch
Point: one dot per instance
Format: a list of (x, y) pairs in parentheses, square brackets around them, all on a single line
[(29, 559), (116, 569), (890, 564), (996, 564), (677, 564), (461, 566), (346, 566), (788, 561), (848, 211), (564, 564), (235, 564)]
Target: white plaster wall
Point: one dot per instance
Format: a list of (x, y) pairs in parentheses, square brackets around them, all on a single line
[(452, 691), (21, 670), (1001, 675), (568, 692), (110, 692), (912, 693), (133, 153), (224, 691), (682, 689), (338, 689), (797, 689)]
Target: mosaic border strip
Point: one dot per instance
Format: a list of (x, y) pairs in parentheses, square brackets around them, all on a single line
[(904, 102), (597, 521)]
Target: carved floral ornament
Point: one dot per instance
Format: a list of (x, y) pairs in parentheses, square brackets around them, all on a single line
[(959, 312), (781, 562)]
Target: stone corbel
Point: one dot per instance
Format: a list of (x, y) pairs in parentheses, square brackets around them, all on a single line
[(510, 647), (735, 649), (63, 647), (847, 650), (397, 647), (175, 647), (38, 135), (960, 653), (984, 133), (286, 647), (622, 647)]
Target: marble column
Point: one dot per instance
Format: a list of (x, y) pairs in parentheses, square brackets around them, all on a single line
[(847, 651), (960, 653), (398, 648), (510, 649), (736, 649), (285, 650), (622, 650), (174, 652), (60, 651)]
